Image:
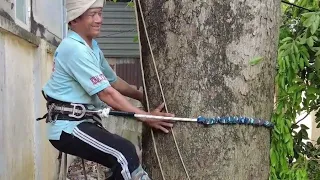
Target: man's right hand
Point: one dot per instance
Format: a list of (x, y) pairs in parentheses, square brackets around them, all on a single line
[(162, 125), (117, 101)]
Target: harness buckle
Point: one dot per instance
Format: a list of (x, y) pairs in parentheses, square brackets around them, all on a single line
[(76, 111), (49, 115)]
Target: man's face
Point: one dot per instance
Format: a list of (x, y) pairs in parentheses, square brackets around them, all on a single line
[(90, 22)]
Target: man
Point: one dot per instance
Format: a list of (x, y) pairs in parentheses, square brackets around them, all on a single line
[(81, 75)]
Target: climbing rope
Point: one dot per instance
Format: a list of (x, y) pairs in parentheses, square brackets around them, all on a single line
[(145, 91)]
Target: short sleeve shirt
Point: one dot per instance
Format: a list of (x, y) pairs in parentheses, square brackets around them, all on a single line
[(79, 73)]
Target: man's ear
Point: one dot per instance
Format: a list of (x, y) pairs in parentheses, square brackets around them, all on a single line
[(72, 23)]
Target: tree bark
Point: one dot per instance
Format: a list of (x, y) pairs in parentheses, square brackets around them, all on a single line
[(202, 51)]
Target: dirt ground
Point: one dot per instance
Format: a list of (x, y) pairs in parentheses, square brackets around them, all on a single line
[(75, 171)]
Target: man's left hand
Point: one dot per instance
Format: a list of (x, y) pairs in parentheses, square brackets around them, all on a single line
[(162, 125)]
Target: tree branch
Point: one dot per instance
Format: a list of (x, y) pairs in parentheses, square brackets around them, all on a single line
[(301, 119), (291, 4)]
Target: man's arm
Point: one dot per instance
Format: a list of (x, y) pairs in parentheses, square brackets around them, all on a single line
[(125, 89), (119, 84), (114, 99)]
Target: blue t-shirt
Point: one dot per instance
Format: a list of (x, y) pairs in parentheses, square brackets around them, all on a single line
[(79, 72)]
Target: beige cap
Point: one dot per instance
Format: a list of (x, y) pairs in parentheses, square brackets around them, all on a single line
[(77, 7)]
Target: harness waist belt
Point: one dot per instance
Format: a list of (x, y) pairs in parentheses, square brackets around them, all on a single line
[(59, 110)]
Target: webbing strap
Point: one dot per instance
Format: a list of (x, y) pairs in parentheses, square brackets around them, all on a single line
[(67, 111)]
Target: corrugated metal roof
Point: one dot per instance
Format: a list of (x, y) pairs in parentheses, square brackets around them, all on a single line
[(118, 31)]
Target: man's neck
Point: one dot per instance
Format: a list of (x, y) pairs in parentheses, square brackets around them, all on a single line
[(87, 39)]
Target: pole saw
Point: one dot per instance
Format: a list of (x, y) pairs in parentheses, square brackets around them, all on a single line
[(201, 120)]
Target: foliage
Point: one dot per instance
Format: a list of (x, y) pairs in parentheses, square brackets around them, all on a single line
[(292, 154)]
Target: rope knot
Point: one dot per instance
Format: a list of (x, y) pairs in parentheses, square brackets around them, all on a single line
[(104, 113)]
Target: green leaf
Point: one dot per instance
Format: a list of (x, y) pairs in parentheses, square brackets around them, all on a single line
[(286, 52), (297, 80), (318, 126), (312, 90), (313, 163), (273, 158), (304, 52), (286, 39), (315, 49), (308, 14), (315, 25), (135, 39), (296, 50), (287, 137), (289, 147), (294, 126), (309, 21), (281, 65), (255, 60), (282, 83), (310, 76), (317, 65), (276, 130), (318, 53), (279, 108), (302, 40), (285, 46), (310, 42), (304, 134), (115, 1), (283, 162), (314, 38), (303, 126), (301, 63), (131, 4), (306, 62), (318, 141), (293, 62), (293, 88)]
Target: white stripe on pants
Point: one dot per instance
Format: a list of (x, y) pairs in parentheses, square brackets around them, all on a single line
[(106, 149)]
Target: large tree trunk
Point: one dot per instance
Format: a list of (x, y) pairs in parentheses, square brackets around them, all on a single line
[(202, 51)]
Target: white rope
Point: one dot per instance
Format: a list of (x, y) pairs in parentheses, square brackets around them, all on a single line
[(146, 94), (161, 89)]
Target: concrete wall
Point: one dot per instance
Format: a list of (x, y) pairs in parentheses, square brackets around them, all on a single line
[(25, 65)]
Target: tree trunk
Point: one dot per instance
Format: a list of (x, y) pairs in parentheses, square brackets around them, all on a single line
[(202, 51)]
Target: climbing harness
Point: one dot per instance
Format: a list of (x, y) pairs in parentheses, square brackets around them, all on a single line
[(59, 110)]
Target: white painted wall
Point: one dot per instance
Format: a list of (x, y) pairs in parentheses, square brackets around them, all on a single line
[(25, 153)]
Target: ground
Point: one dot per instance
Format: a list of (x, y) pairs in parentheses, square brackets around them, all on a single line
[(75, 171)]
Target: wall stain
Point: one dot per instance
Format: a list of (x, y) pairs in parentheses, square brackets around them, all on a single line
[(6, 15)]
